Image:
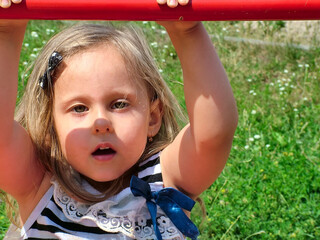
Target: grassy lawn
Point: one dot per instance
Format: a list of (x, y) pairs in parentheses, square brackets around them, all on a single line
[(270, 188)]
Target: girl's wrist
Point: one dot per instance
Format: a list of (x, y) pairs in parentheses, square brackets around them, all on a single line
[(12, 33), (182, 28), (12, 25)]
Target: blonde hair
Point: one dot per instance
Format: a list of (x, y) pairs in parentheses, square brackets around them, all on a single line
[(34, 111)]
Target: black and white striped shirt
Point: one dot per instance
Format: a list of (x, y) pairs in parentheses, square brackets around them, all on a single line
[(123, 216)]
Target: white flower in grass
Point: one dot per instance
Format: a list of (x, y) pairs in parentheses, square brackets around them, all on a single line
[(246, 147), (267, 145), (285, 71), (249, 80), (145, 22), (256, 136), (32, 55), (296, 110), (163, 32), (154, 44), (251, 139), (300, 65), (253, 92), (306, 65), (26, 45), (160, 71), (25, 63), (34, 34), (253, 112)]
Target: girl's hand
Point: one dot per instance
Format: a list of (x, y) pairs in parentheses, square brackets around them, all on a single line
[(176, 26), (173, 3), (7, 3), (10, 25)]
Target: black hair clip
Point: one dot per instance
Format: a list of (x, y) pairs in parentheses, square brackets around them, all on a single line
[(54, 60)]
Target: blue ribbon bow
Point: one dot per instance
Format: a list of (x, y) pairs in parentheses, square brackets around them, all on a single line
[(171, 201)]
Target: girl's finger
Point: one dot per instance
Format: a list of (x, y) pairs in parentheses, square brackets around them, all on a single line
[(172, 3), (161, 2), (5, 3), (16, 1), (183, 2)]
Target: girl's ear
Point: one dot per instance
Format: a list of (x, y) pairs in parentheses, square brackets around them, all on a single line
[(155, 117)]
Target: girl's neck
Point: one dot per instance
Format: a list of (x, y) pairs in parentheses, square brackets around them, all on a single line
[(114, 186)]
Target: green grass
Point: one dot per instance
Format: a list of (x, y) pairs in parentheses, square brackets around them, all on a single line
[(270, 188)]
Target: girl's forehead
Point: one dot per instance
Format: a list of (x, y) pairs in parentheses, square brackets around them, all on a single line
[(95, 69), (94, 62)]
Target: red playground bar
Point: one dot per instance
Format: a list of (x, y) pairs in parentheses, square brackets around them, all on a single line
[(204, 10)]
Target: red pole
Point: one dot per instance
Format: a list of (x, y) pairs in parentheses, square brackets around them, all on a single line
[(210, 10)]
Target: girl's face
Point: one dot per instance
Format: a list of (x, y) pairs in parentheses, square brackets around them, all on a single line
[(101, 117)]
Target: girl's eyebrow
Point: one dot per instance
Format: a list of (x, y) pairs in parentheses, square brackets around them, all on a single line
[(86, 98), (65, 103)]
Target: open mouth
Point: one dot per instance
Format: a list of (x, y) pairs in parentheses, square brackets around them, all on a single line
[(103, 151)]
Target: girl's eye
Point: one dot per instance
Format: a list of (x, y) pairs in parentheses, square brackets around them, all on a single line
[(80, 109), (119, 105)]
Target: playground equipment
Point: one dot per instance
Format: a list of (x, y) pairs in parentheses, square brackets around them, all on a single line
[(210, 10)]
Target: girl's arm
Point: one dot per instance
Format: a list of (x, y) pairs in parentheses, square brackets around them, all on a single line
[(19, 174), (199, 153)]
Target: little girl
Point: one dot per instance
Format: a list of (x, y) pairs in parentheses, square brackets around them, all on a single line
[(94, 151)]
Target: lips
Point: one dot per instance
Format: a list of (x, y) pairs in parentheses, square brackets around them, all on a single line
[(103, 151)]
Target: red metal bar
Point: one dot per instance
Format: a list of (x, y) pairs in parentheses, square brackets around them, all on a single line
[(210, 10)]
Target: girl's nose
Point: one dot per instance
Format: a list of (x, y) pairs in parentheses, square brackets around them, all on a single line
[(102, 126)]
